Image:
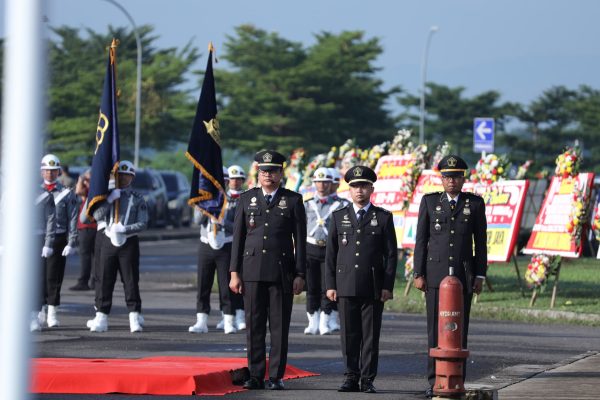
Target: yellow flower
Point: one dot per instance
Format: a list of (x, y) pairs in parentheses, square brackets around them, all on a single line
[(500, 170)]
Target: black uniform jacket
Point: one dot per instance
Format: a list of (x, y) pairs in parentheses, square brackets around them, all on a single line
[(269, 242), (448, 238), (361, 259)]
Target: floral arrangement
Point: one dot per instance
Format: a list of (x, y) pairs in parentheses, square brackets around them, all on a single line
[(523, 169), (490, 169), (440, 152), (409, 266), (578, 215), (292, 172), (539, 268), (567, 163), (596, 223), (253, 175), (375, 153), (401, 144)]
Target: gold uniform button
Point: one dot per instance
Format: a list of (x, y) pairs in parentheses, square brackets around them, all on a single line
[(266, 224), (452, 231), (264, 237), (267, 211), (451, 258), (356, 266), (357, 254), (451, 244), (358, 231), (264, 251), (452, 218), (357, 242)]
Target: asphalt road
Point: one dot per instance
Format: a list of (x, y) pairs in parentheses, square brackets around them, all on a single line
[(500, 351)]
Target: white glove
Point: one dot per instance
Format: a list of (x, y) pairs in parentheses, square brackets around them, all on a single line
[(118, 228), (115, 194), (68, 250), (47, 251)]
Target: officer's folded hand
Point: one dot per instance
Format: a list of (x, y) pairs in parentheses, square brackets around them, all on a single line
[(420, 283), (47, 251), (298, 285), (332, 294), (118, 228), (478, 285), (386, 295), (235, 284), (115, 194)]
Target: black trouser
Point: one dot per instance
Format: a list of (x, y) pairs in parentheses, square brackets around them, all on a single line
[(87, 240), (316, 291), (125, 260), (53, 272), (209, 262), (264, 300), (432, 298), (360, 318)]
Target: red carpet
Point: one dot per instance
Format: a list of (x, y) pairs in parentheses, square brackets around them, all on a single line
[(154, 375)]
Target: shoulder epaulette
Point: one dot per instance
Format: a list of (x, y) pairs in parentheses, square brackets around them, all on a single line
[(341, 209), (432, 193)]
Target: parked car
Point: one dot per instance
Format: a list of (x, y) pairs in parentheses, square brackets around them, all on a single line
[(178, 193), (150, 184)]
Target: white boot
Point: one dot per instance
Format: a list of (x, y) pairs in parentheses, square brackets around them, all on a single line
[(34, 324), (52, 318), (221, 323), (41, 316), (313, 323), (200, 326), (228, 327), (240, 320), (134, 322), (324, 324), (141, 319), (98, 324), (334, 321)]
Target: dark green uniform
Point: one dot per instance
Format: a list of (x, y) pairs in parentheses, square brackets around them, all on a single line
[(449, 238)]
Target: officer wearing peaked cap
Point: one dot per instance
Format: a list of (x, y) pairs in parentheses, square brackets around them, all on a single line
[(318, 214), (268, 264), (451, 235), (361, 268)]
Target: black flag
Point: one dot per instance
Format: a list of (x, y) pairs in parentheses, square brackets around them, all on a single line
[(204, 151), (107, 153)]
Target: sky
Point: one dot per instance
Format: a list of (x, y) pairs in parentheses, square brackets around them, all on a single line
[(517, 47)]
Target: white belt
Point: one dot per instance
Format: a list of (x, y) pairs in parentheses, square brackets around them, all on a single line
[(228, 239), (320, 243)]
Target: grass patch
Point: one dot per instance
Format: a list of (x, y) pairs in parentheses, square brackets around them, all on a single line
[(577, 293)]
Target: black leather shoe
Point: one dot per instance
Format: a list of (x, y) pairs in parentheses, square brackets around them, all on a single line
[(366, 386), (80, 286), (275, 384), (254, 384), (429, 392), (349, 385)]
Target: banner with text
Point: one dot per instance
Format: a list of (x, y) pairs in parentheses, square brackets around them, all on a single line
[(549, 234)]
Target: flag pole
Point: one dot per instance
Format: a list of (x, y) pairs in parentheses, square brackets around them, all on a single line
[(113, 60)]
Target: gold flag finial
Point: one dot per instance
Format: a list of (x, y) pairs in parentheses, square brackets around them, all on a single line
[(211, 48), (115, 43)]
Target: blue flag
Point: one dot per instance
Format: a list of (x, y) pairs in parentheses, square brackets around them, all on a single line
[(204, 151), (107, 152)]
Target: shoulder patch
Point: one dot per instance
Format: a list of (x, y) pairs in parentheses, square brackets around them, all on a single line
[(340, 209)]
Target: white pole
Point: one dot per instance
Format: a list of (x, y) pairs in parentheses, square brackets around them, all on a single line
[(22, 134), (432, 30), (138, 83)]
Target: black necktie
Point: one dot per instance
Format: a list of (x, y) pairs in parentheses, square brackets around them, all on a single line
[(452, 204), (361, 214), (268, 199)]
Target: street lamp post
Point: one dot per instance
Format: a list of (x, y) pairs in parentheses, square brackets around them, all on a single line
[(432, 30), (138, 83)]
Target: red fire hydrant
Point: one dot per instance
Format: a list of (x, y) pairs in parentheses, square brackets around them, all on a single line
[(449, 355)]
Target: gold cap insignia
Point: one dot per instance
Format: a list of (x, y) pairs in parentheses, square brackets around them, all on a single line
[(52, 163), (452, 162), (320, 175), (234, 172), (267, 157), (357, 171)]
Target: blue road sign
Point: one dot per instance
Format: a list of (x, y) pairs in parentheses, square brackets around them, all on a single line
[(483, 135)]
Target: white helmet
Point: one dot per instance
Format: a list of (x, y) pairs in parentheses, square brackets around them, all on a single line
[(225, 173), (235, 171), (50, 161), (335, 174), (126, 167), (322, 174)]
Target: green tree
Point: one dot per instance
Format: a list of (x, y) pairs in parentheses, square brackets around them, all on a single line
[(282, 95), (77, 68)]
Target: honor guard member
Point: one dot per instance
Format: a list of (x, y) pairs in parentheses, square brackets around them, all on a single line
[(214, 254), (65, 240), (361, 269), (318, 213), (268, 264), (120, 250), (451, 235), (46, 231)]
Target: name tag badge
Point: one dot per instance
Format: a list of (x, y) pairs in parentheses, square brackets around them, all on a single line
[(253, 201), (467, 211), (282, 203), (374, 222)]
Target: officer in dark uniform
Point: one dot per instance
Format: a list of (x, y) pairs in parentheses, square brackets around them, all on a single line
[(448, 225), (268, 264), (361, 267)]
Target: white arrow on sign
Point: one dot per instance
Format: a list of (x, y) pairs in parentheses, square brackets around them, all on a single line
[(482, 129)]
